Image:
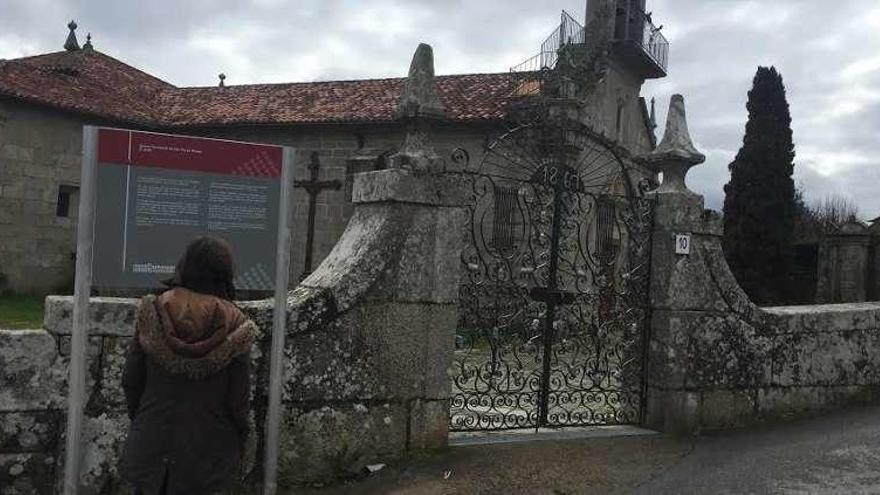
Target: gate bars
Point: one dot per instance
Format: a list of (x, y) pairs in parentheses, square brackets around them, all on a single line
[(553, 311)]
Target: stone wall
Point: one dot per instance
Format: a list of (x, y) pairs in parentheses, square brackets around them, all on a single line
[(40, 151), (370, 334), (715, 359)]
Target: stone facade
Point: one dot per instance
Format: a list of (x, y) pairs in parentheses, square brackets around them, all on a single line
[(40, 153)]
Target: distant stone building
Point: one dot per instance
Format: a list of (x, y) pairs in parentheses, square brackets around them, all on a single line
[(46, 99)]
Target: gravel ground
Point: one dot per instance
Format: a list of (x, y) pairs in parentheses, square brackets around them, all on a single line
[(583, 466), (837, 453)]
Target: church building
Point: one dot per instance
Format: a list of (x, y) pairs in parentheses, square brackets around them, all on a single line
[(340, 128)]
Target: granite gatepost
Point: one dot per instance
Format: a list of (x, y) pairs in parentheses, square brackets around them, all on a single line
[(678, 211), (372, 329), (715, 360), (844, 265)]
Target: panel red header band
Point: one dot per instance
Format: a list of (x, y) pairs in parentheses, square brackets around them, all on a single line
[(216, 156)]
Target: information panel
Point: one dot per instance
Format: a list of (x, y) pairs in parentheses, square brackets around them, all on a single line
[(156, 192)]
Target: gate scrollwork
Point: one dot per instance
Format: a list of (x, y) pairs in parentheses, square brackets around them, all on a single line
[(553, 299)]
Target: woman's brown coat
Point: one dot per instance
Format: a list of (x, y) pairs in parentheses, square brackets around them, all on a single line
[(187, 385)]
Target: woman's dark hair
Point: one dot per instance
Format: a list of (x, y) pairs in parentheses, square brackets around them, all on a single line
[(206, 267)]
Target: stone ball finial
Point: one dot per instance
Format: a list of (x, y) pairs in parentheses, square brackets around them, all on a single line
[(675, 154), (88, 43), (420, 96), (222, 77), (71, 44)]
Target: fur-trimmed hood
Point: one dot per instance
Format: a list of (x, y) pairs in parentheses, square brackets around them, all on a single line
[(192, 334)]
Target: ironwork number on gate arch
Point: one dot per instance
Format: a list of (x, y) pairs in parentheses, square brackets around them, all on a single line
[(554, 285)]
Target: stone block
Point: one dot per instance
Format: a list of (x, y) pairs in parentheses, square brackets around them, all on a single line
[(108, 395), (31, 375), (30, 431), (838, 317), (724, 409), (103, 438), (338, 440), (27, 474), (429, 424), (678, 212), (698, 350), (858, 395), (838, 358), (404, 186), (726, 352), (429, 263), (666, 366), (331, 364), (673, 411), (683, 282), (411, 346), (788, 402), (375, 352), (108, 316), (366, 249)]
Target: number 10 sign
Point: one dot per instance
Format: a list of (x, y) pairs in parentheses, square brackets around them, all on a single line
[(682, 244)]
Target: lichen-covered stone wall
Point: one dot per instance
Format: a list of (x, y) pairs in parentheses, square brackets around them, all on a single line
[(369, 339), (717, 361), (39, 153)]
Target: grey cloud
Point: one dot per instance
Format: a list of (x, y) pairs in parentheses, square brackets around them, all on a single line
[(715, 52), (716, 47)]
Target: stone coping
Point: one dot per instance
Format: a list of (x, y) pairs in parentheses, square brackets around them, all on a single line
[(823, 308), (404, 186), (108, 316)]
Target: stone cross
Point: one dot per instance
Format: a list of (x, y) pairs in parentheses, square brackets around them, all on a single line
[(313, 188)]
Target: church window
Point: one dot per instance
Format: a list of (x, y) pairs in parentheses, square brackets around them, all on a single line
[(503, 219)]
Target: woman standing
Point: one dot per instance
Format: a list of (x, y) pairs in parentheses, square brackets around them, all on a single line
[(187, 380)]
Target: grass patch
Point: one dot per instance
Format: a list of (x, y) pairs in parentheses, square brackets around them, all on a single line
[(18, 312)]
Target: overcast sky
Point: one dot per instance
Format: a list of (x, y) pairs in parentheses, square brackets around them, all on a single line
[(827, 52)]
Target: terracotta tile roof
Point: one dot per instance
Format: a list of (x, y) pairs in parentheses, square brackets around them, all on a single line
[(84, 81), (93, 83)]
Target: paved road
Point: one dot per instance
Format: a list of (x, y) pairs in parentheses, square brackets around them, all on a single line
[(839, 453), (834, 454)]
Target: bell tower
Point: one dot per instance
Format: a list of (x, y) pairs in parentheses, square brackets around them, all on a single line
[(617, 49), (636, 42)]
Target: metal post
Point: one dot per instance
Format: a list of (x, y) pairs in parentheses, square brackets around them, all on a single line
[(279, 325), (79, 330), (561, 30)]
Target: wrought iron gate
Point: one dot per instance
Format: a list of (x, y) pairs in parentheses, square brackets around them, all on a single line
[(554, 285)]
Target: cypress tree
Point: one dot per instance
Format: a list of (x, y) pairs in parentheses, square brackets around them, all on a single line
[(760, 204)]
